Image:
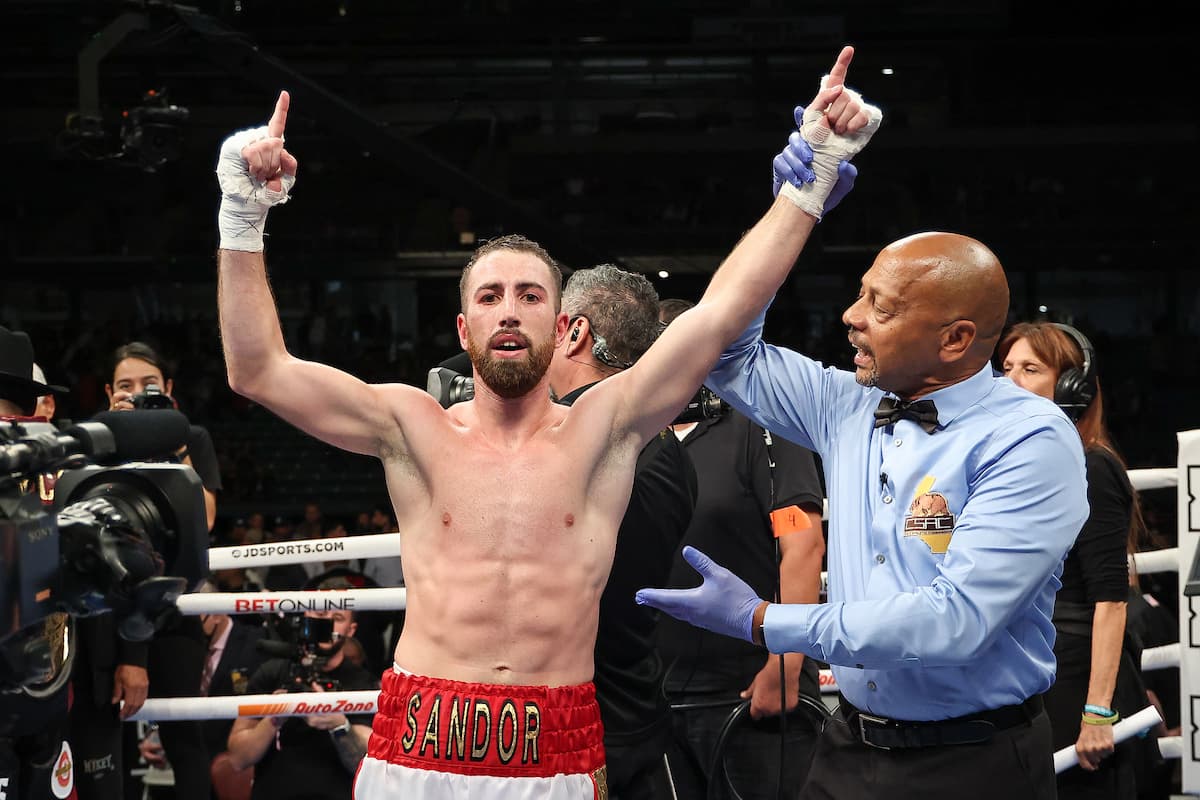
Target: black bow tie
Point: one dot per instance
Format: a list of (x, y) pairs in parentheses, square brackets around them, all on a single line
[(922, 412)]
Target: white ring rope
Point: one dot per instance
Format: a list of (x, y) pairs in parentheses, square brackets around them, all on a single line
[(301, 551), (283, 704), (1170, 746), (1162, 478), (173, 709), (387, 599), (1145, 719), (1162, 657), (1165, 560), (386, 545)]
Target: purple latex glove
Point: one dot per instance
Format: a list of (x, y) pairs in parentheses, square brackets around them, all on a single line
[(793, 164), (723, 603)]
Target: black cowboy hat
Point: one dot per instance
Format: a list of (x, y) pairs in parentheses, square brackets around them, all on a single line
[(16, 372)]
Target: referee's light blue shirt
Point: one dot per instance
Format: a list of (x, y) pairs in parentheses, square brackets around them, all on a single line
[(945, 549)]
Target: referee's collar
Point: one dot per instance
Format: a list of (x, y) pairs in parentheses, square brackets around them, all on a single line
[(953, 400)]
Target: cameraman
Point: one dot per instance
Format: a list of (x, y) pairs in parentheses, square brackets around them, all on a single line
[(296, 758), (36, 761)]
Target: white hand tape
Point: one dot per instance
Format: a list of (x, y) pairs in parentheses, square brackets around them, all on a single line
[(829, 150), (244, 200)]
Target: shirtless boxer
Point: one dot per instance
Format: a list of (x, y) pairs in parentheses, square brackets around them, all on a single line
[(509, 504)]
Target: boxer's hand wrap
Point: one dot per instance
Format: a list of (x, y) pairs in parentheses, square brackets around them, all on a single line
[(244, 200), (829, 151), (791, 166)]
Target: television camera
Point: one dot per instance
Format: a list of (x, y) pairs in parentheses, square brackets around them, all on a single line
[(298, 639), (119, 535)]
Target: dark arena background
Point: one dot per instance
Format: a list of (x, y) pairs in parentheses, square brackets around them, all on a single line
[(638, 133)]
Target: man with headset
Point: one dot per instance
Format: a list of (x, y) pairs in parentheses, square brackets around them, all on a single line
[(1098, 677), (759, 513), (614, 319)]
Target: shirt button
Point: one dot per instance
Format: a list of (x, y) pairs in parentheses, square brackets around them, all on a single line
[(899, 442), (879, 559), (871, 685), (887, 498)]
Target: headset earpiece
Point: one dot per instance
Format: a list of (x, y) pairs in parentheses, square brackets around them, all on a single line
[(575, 334), (1076, 387)]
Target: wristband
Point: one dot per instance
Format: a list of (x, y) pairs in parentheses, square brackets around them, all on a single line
[(1099, 711), (1100, 720), (340, 730)]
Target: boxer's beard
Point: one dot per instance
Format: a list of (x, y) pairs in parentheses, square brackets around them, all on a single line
[(510, 378)]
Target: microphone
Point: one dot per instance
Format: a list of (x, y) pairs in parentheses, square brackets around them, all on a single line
[(138, 435), (108, 438)]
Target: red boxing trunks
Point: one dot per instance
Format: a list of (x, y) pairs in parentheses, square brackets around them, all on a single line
[(435, 738)]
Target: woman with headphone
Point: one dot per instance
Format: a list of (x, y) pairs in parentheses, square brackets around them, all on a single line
[(1098, 678)]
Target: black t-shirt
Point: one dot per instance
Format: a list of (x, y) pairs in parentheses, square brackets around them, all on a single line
[(629, 671), (1097, 566), (1096, 570), (731, 525), (204, 457), (305, 764)]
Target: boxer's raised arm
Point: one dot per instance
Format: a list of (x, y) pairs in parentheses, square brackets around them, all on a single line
[(255, 172), (837, 125)]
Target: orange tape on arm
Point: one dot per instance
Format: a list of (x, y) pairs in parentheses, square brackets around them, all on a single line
[(791, 519)]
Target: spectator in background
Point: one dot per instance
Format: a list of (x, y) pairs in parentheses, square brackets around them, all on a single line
[(255, 528), (337, 531), (383, 519), (282, 530), (285, 577), (47, 405), (311, 525), (139, 379), (385, 570), (1098, 675), (240, 580), (237, 532)]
